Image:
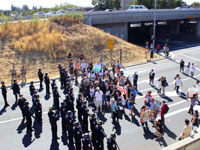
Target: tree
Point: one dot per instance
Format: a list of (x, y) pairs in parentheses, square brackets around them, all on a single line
[(25, 7), (196, 4), (106, 4), (161, 4), (117, 4)]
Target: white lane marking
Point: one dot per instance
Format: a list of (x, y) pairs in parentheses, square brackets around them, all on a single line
[(182, 110), (171, 83), (15, 119), (183, 101), (188, 50), (189, 57), (176, 112)]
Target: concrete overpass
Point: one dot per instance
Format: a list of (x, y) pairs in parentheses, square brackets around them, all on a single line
[(117, 22)]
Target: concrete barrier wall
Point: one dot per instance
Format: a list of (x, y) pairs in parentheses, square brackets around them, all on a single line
[(190, 143)]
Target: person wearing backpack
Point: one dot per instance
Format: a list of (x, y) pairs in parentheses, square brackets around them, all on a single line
[(163, 111)]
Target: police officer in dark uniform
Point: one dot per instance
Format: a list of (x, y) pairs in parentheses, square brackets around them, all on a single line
[(76, 76), (41, 77), (21, 104), (60, 68), (100, 135), (53, 85), (32, 89), (62, 77), (93, 123), (111, 142), (56, 98), (87, 145), (77, 136), (85, 116), (4, 93), (70, 122), (28, 116), (53, 121), (63, 112), (47, 82), (38, 109), (16, 90), (78, 106)]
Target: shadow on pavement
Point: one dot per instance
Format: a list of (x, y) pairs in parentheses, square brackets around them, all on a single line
[(166, 98), (21, 127), (127, 117), (136, 112), (101, 117), (183, 96), (47, 97), (169, 132), (139, 93), (38, 129), (14, 106), (54, 145), (134, 120), (162, 142), (27, 139), (40, 89), (23, 84), (117, 128), (148, 134), (64, 138), (3, 110)]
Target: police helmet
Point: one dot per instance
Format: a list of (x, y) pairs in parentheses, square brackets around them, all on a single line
[(69, 112), (100, 122), (113, 135), (66, 95), (92, 114), (76, 123), (84, 102)]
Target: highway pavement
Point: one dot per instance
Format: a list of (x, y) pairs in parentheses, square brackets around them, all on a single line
[(130, 134)]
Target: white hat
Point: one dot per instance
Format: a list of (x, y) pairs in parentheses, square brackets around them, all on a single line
[(98, 88)]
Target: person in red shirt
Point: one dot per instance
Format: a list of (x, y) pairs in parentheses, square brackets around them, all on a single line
[(158, 48), (147, 99), (162, 112)]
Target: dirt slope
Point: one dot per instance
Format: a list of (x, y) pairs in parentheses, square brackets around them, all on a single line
[(45, 44)]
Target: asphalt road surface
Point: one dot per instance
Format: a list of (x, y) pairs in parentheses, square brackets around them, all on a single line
[(130, 134)]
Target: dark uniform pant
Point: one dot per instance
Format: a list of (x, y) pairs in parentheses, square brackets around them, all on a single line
[(5, 98), (38, 116), (47, 89), (70, 136), (54, 131), (78, 144)]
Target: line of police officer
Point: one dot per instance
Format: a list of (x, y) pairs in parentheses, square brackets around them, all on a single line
[(77, 131)]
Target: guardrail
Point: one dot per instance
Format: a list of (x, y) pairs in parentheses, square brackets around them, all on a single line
[(102, 17), (190, 143)]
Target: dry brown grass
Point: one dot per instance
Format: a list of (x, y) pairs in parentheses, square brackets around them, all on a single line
[(45, 44)]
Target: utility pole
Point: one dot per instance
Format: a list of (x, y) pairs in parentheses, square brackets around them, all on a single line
[(154, 24)]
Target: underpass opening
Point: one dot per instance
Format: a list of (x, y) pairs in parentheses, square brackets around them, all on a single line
[(139, 33)]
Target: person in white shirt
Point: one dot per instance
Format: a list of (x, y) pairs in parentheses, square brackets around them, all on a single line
[(197, 87), (83, 65), (192, 69), (98, 99), (123, 102), (178, 83), (187, 69)]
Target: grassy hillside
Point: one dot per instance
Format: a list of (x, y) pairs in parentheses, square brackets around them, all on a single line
[(45, 44)]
